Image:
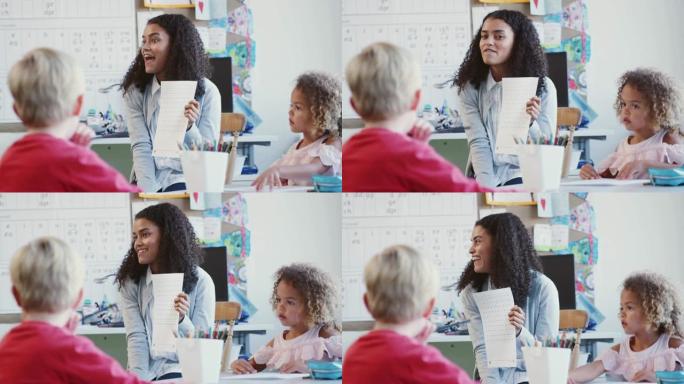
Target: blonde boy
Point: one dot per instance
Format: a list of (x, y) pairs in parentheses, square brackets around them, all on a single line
[(401, 286), (391, 153), (47, 283)]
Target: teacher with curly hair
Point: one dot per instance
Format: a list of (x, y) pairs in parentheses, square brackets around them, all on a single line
[(503, 256), (163, 242), (506, 45)]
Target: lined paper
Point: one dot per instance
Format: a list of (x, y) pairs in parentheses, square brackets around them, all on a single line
[(513, 119), (165, 287), (499, 333), (171, 122)]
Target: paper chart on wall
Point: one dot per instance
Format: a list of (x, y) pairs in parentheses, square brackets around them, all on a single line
[(96, 225), (100, 35), (439, 226), (436, 32)]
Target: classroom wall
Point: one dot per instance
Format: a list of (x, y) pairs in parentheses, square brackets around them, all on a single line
[(626, 35), (645, 235), (308, 224), (291, 37)]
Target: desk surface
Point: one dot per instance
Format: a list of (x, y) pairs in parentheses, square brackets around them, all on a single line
[(245, 186), (597, 336), (243, 379), (575, 184), (589, 133), (93, 330), (246, 138)]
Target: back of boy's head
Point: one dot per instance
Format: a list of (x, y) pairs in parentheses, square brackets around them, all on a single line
[(324, 94), (662, 96), (659, 301), (45, 84), (383, 79), (400, 283), (47, 275)]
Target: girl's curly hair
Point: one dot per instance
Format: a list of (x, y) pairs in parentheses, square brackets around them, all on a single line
[(659, 301), (527, 56), (324, 94), (317, 289), (513, 257), (187, 59), (661, 94), (179, 250)]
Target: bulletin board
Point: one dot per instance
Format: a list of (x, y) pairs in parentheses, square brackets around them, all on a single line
[(437, 225), (437, 33), (97, 225), (100, 34)]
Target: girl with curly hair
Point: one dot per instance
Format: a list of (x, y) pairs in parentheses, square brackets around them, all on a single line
[(171, 50), (648, 104), (163, 242), (316, 113), (650, 311), (506, 45), (305, 300), (503, 256)]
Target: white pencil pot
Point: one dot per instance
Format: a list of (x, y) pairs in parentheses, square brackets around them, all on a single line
[(200, 360), (541, 167), (547, 365), (204, 171)]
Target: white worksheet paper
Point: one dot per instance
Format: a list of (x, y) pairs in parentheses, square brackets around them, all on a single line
[(165, 287), (513, 118), (499, 334), (171, 121)]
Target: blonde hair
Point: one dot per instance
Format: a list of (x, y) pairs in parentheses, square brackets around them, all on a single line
[(659, 301), (317, 289), (400, 283), (47, 274), (383, 79), (45, 85)]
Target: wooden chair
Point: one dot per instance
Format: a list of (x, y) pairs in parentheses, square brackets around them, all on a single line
[(229, 312), (568, 117), (233, 123), (574, 319)]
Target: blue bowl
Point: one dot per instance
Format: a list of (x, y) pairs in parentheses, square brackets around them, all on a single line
[(327, 183), (325, 370), (670, 377)]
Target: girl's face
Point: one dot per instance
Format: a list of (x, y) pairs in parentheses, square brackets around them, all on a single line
[(496, 41), (631, 313), (301, 118), (290, 306), (146, 239), (635, 114), (155, 48), (481, 250)]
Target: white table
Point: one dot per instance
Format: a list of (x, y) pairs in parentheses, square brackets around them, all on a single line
[(241, 331), (224, 380), (610, 185), (245, 186)]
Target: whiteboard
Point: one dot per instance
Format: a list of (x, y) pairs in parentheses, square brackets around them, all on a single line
[(437, 225), (437, 32), (97, 225), (100, 34)]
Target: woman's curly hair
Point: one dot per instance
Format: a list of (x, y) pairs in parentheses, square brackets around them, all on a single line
[(661, 94), (527, 56), (323, 92), (187, 59), (659, 301), (179, 250), (513, 257), (317, 289)]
